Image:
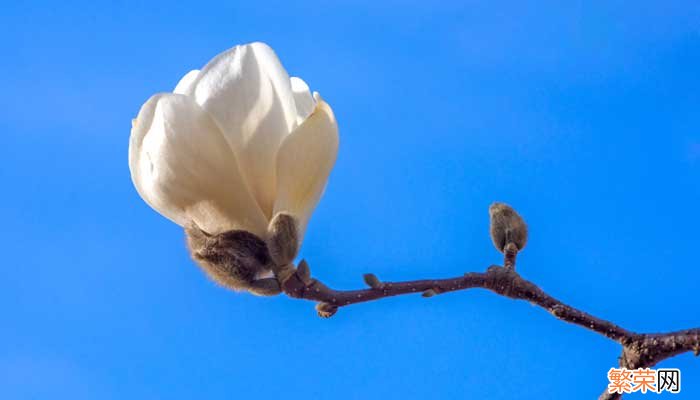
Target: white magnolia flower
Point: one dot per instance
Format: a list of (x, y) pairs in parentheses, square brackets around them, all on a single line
[(234, 144)]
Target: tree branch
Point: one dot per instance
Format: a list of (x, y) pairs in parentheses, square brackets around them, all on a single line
[(638, 350)]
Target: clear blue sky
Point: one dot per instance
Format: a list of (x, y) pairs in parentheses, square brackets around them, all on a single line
[(584, 116)]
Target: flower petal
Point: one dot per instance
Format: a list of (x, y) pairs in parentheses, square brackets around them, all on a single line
[(183, 168), (303, 100), (248, 93), (304, 162), (185, 84)]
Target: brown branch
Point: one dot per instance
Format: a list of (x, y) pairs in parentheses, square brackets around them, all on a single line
[(638, 350), (646, 350)]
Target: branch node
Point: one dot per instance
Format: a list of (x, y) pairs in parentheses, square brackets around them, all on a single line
[(557, 310), (491, 269)]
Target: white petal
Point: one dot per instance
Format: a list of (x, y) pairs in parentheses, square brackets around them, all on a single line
[(248, 93), (185, 84), (302, 99), (304, 163), (183, 168)]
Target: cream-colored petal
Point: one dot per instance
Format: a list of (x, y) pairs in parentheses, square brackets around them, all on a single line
[(185, 84), (303, 99), (183, 167), (248, 93), (304, 162)]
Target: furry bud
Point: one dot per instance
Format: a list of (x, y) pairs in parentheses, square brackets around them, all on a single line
[(326, 310), (429, 293), (507, 226), (235, 259), (372, 281), (283, 239)]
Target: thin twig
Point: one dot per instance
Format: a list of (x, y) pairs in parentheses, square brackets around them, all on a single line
[(638, 350)]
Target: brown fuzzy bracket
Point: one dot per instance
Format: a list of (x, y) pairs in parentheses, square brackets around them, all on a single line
[(639, 350)]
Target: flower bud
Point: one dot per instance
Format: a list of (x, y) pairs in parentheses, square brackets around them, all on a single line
[(507, 226)]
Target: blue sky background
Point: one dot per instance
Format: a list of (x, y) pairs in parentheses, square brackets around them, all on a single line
[(583, 115)]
